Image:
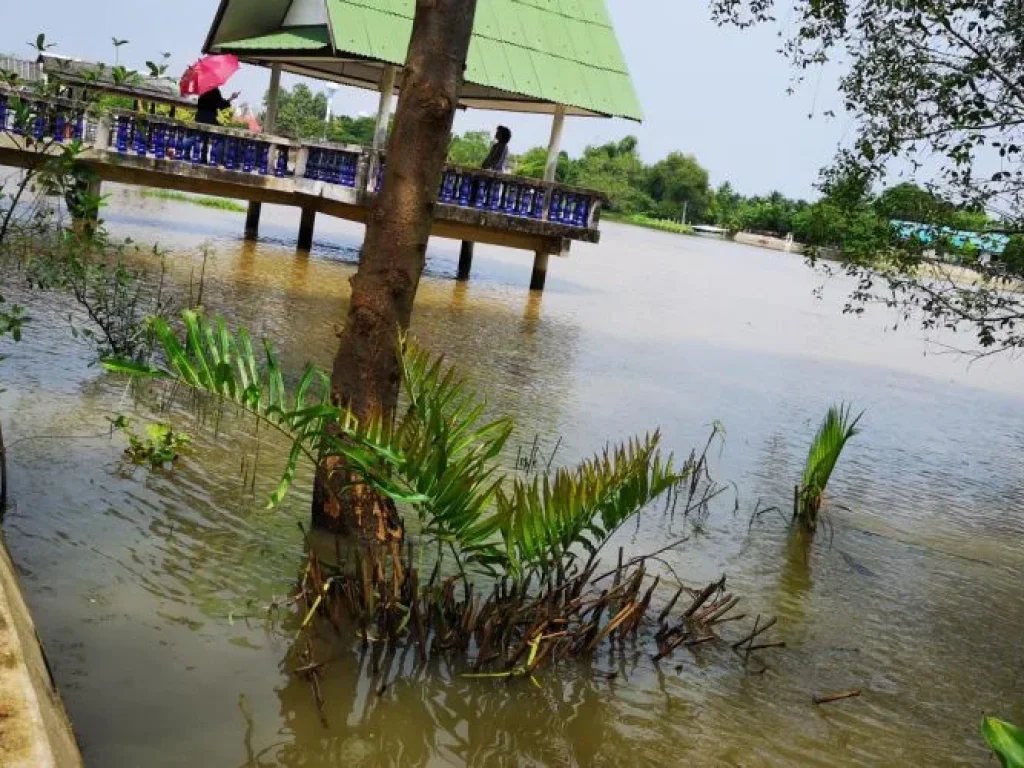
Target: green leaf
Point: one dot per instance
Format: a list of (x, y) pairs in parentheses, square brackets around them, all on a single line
[(133, 368), (1006, 740)]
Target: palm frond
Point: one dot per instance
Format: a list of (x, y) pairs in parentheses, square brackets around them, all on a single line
[(211, 359), (545, 522), (440, 456), (838, 428)]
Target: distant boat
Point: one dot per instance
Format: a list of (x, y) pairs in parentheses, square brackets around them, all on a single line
[(705, 229)]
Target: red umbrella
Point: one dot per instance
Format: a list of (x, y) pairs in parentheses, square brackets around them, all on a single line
[(208, 73)]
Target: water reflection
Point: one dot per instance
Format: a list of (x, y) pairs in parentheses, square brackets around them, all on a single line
[(148, 587)]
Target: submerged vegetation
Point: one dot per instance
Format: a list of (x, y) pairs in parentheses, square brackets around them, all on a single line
[(159, 446), (440, 457), (662, 225), (526, 552), (217, 203), (838, 428)]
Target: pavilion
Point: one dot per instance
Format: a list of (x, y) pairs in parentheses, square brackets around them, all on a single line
[(557, 57)]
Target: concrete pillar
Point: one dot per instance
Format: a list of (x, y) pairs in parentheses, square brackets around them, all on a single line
[(380, 131), (83, 200), (465, 261), (252, 217), (306, 225), (540, 260), (387, 97), (94, 190), (555, 144), (540, 271)]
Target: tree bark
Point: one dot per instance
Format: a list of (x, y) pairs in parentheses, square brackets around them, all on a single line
[(366, 374)]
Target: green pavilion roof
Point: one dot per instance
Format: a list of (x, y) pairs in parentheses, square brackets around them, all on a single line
[(526, 55)]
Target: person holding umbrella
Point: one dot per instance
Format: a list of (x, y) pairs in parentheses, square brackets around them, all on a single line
[(210, 104), (203, 79)]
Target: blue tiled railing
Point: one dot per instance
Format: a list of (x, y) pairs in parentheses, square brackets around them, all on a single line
[(352, 167), (199, 145), (51, 120), (335, 165), (516, 196)]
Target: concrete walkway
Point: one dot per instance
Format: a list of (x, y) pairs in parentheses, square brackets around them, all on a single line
[(34, 728)]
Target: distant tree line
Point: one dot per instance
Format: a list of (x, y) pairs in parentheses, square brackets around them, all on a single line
[(302, 115)]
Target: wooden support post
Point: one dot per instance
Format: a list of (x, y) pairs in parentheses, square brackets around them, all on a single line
[(252, 217), (252, 220), (540, 271), (306, 225), (540, 259), (465, 261)]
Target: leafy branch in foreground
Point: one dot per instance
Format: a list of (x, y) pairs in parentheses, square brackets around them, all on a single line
[(439, 457), (934, 91)]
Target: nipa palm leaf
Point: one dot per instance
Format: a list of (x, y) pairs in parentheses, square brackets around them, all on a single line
[(838, 428)]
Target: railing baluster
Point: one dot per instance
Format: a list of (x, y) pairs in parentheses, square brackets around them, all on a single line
[(140, 138), (480, 198), (526, 201), (159, 141), (121, 135), (248, 156), (78, 131), (494, 199), (465, 189), (60, 124), (555, 211), (511, 198), (263, 154), (281, 166), (539, 197), (582, 212), (39, 126)]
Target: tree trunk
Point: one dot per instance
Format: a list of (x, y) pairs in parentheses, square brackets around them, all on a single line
[(366, 375)]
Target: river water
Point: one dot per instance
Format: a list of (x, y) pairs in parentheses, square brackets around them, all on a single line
[(150, 589)]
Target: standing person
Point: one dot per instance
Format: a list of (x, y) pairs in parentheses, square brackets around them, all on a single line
[(498, 156), (496, 160), (210, 104)]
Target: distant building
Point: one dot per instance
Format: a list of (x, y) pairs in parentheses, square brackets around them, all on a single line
[(28, 71), (97, 76), (985, 243)]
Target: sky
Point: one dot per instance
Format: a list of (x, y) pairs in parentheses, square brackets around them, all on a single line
[(719, 94)]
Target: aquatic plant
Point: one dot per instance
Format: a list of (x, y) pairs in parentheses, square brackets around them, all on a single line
[(827, 446), (439, 457), (161, 444), (1006, 740), (663, 225), (526, 549), (204, 201)]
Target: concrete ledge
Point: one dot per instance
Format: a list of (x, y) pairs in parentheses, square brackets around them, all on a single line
[(34, 728)]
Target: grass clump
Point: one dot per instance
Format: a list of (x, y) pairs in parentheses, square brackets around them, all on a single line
[(217, 203), (649, 222)]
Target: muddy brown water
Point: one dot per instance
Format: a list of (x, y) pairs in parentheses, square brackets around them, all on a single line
[(149, 589)]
